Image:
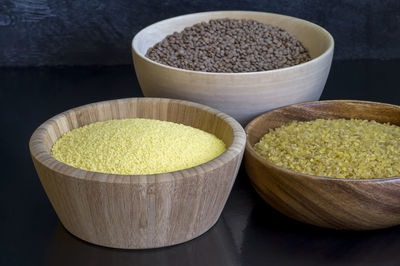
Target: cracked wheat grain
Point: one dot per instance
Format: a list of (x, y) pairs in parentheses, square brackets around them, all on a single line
[(340, 148)]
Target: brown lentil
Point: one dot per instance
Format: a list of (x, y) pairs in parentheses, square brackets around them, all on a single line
[(335, 148), (229, 45)]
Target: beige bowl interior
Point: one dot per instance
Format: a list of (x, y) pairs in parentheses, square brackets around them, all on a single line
[(180, 112)]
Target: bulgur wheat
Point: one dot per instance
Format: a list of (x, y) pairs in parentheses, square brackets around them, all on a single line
[(339, 148)]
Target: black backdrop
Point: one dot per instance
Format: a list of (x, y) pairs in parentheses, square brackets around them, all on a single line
[(99, 32)]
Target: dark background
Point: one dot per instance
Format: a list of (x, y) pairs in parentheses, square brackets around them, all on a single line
[(72, 40), (248, 233), (99, 32)]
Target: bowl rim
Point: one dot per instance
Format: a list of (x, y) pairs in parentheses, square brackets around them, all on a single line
[(39, 153), (326, 53), (249, 148)]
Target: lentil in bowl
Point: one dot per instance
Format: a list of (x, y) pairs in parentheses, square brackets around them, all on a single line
[(243, 95), (230, 46)]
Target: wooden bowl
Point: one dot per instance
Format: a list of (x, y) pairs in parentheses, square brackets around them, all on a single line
[(351, 204), (139, 211), (241, 95)]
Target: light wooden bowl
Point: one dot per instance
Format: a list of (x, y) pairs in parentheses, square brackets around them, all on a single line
[(241, 95), (351, 204), (132, 211)]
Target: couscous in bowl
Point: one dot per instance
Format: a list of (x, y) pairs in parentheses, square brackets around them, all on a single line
[(348, 204), (139, 211)]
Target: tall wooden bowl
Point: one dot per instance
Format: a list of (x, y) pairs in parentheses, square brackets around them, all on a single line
[(139, 211), (241, 95), (352, 204)]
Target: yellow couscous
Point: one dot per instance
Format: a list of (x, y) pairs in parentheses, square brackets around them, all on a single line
[(335, 148), (136, 147)]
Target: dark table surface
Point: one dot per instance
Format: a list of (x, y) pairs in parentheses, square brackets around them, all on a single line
[(249, 232)]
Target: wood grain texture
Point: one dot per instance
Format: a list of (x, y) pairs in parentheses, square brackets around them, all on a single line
[(351, 204), (148, 211), (53, 32), (241, 95)]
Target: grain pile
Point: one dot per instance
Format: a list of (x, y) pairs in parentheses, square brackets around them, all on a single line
[(229, 45), (335, 148), (136, 147)]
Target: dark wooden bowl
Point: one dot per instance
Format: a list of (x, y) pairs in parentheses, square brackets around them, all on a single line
[(349, 204)]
